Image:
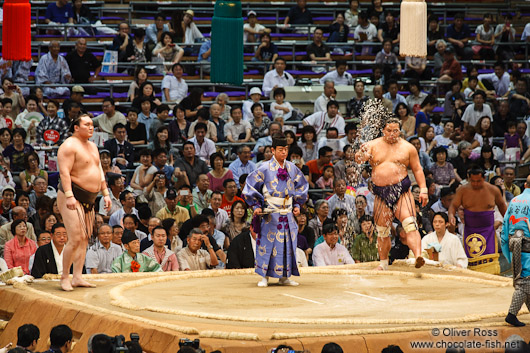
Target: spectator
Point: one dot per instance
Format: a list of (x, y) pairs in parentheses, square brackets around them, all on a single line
[(416, 68), (29, 121), (15, 152), (433, 35), (5, 138), (408, 121), (252, 30), (49, 257), (18, 250), (61, 339), (519, 99), (355, 105), (221, 216), (321, 217), (521, 131), (351, 15), (237, 222), (47, 222), (179, 126), (117, 232), (392, 349), (389, 29), (53, 70), (116, 186), (423, 116), (217, 122), (121, 151), (127, 201), (140, 76), (204, 58), (476, 110), (160, 162), (110, 117), (462, 162), (259, 123), (338, 31), (439, 59), (243, 164), (7, 203), (123, 43), (332, 348), (330, 253), (190, 163), (505, 33), (160, 139), (166, 51), (318, 50), (501, 119), (136, 131), (378, 94), (322, 100), (201, 193), (193, 103), (162, 114), (299, 15), (255, 96), (203, 116), (267, 50), (155, 190), (106, 163), (192, 257), (81, 62), (339, 76), (154, 31), (147, 240), (486, 39), (219, 173), (442, 171), (159, 251), (241, 251), (259, 147), (100, 256), (191, 33), (447, 245), (277, 78), (172, 210), (5, 230), (316, 166), (500, 79), (365, 31), (364, 247), (146, 90), (229, 196), (509, 176), (14, 93), (172, 230), (393, 95), (27, 337), (458, 34), (451, 69), (133, 260), (186, 200), (322, 121)]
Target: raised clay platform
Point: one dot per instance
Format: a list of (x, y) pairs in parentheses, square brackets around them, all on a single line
[(361, 309)]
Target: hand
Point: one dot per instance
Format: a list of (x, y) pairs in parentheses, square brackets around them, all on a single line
[(424, 198), (206, 240), (91, 79), (452, 220), (71, 203), (157, 101), (68, 78), (18, 90), (296, 211), (258, 211), (460, 44), (108, 202), (189, 199)]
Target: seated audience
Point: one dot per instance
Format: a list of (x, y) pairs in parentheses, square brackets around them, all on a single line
[(192, 257), (132, 260), (364, 247), (447, 245), (160, 252), (330, 253), (49, 257), (51, 70), (99, 257), (18, 250)]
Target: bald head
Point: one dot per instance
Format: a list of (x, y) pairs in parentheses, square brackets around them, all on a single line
[(527, 183), (18, 212)]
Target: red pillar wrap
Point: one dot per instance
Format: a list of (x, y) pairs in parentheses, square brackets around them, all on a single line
[(16, 38)]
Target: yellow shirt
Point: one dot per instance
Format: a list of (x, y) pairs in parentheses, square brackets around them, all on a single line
[(180, 215)]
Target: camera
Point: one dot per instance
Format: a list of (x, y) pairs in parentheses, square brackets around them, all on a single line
[(195, 344), (118, 342)]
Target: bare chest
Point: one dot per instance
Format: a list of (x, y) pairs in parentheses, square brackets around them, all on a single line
[(383, 153)]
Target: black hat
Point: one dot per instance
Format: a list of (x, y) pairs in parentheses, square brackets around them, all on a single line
[(128, 236), (170, 194), (449, 50)]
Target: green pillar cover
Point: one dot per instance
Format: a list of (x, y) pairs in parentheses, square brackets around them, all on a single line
[(227, 43)]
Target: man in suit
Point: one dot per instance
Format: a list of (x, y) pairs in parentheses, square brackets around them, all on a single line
[(121, 151), (241, 251), (49, 257), (17, 212)]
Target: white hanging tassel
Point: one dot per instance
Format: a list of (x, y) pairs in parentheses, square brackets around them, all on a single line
[(413, 28)]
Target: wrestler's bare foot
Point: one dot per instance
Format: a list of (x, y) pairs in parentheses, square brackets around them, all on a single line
[(419, 262), (79, 282), (379, 268), (66, 285), (383, 265)]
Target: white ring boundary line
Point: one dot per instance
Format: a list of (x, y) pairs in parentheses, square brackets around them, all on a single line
[(366, 296), (307, 300)]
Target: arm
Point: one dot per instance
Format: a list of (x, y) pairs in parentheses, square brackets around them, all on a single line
[(417, 170), (499, 201), (144, 178), (26, 187), (457, 201), (213, 257)]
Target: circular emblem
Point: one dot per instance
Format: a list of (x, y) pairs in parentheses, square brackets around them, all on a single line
[(51, 136), (476, 245)]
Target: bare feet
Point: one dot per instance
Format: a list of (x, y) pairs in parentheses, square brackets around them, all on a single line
[(419, 262), (79, 282), (379, 268), (66, 285)]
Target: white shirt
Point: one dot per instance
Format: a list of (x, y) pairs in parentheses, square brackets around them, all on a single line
[(58, 259), (321, 103), (221, 217), (273, 78), (257, 28), (323, 255), (116, 217), (177, 89), (370, 30), (277, 112), (192, 33), (321, 122), (526, 32), (472, 116), (205, 150), (247, 112), (347, 203), (452, 250), (344, 80), (335, 144), (502, 85)]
